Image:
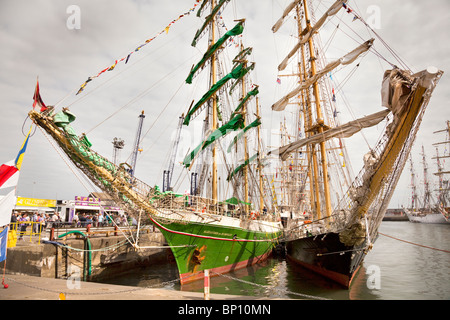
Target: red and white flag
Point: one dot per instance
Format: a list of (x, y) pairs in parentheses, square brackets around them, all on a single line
[(9, 175)]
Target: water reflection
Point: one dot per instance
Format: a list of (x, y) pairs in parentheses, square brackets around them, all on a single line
[(405, 272)]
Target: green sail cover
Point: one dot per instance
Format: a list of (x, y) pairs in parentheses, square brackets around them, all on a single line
[(208, 19), (251, 67), (237, 30), (82, 146), (237, 73), (242, 54), (254, 124), (250, 94), (234, 124), (239, 168), (200, 10), (235, 201)]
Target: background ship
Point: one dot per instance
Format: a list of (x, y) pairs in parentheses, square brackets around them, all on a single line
[(430, 208), (334, 216)]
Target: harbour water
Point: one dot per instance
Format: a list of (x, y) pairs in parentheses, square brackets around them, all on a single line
[(393, 270)]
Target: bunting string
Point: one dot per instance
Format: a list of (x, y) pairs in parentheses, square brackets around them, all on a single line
[(127, 57)]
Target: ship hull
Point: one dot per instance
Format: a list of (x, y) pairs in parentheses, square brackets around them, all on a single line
[(432, 218), (219, 248), (324, 254)]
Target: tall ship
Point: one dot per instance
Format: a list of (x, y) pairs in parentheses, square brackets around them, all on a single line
[(332, 216), (431, 207), (225, 222)]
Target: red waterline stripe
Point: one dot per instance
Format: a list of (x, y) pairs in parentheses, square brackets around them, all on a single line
[(191, 277), (206, 237)]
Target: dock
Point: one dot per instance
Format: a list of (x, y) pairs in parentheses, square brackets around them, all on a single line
[(43, 269), (23, 287)]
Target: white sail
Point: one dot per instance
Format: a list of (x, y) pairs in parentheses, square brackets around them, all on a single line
[(288, 9), (306, 34), (343, 131), (281, 104)]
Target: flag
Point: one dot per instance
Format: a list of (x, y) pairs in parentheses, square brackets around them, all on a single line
[(9, 175), (37, 98), (3, 243), (19, 158)]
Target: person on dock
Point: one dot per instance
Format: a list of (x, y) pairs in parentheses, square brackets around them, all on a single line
[(23, 226)]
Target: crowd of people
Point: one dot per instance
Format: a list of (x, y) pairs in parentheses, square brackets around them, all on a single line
[(99, 220), (41, 221)]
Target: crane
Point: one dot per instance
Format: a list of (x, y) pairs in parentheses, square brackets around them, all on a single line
[(136, 148), (167, 175)]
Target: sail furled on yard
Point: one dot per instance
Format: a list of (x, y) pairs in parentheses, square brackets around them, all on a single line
[(307, 33), (242, 166), (208, 20), (281, 104), (237, 73), (237, 30), (236, 123), (254, 124), (250, 94), (343, 131)]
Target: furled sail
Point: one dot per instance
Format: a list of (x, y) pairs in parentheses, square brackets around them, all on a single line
[(237, 30), (237, 73), (208, 20), (236, 123), (250, 94), (307, 33), (286, 12), (347, 59), (343, 131), (242, 166), (254, 124)]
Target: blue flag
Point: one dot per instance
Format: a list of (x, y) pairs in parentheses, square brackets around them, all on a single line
[(3, 243)]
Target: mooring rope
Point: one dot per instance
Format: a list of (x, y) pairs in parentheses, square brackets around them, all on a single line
[(269, 287), (416, 244)]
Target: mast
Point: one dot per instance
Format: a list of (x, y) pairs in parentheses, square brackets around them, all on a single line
[(246, 156), (312, 157), (214, 107), (413, 186), (443, 186), (261, 191), (427, 194), (320, 121)]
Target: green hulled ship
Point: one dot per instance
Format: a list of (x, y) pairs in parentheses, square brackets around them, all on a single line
[(221, 231)]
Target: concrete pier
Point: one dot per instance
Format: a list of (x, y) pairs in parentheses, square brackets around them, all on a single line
[(21, 287), (97, 256)]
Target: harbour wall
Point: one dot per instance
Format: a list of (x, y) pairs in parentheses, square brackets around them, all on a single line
[(91, 258)]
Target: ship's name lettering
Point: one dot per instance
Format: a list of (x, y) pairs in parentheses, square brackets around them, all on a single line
[(218, 233)]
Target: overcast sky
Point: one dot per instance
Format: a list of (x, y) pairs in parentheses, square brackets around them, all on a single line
[(37, 40)]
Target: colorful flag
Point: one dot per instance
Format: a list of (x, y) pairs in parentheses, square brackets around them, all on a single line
[(37, 98), (9, 175), (3, 243), (19, 158)]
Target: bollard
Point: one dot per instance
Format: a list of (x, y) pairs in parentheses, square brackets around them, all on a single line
[(206, 285), (52, 234)]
